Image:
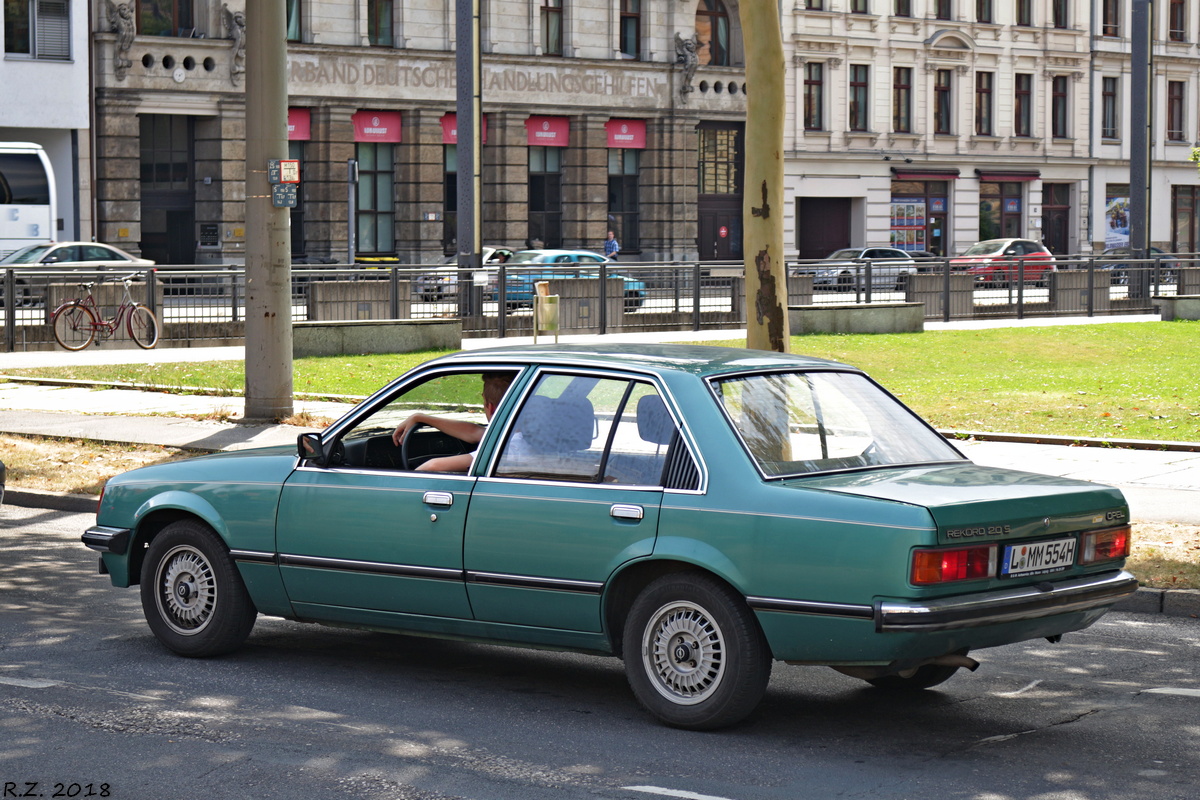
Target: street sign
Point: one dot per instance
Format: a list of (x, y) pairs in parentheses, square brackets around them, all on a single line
[(283, 171), (284, 195)]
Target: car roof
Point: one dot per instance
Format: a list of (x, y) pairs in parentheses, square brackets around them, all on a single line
[(702, 360)]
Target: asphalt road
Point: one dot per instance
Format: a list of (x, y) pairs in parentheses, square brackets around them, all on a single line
[(88, 699)]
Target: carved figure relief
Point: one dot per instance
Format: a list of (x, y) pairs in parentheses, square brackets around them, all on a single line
[(686, 54), (235, 23), (120, 21)]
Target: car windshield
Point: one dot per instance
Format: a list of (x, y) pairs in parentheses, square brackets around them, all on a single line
[(797, 423), (844, 254), (984, 248), (525, 257), (28, 255)]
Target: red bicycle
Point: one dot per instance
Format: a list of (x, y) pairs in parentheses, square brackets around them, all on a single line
[(77, 322)]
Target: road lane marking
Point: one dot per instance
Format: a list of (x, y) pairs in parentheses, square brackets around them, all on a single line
[(29, 683), (1179, 692), (672, 793)]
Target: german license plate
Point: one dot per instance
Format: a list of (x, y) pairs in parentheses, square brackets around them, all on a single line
[(1037, 558)]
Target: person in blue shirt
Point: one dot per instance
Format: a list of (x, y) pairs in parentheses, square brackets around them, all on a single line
[(612, 246)]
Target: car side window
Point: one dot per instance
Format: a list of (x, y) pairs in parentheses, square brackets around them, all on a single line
[(585, 429), (64, 255), (93, 253)]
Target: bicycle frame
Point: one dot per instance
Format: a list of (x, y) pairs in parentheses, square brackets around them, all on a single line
[(107, 327)]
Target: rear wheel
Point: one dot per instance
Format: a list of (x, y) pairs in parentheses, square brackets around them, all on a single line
[(74, 326), (143, 327), (192, 594), (694, 654)]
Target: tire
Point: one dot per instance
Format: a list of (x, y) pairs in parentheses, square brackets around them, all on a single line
[(695, 656), (192, 594), (74, 326), (633, 301), (915, 680), (844, 282), (143, 326)]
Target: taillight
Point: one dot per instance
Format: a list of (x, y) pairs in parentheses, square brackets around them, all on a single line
[(962, 564), (1106, 545)]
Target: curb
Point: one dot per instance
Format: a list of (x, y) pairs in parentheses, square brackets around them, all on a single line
[(1168, 602)]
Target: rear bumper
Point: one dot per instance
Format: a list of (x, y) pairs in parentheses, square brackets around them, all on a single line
[(1008, 605)]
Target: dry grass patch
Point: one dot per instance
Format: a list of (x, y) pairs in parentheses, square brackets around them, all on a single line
[(1166, 555), (74, 466)]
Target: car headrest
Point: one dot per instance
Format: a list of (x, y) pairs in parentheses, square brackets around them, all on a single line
[(558, 424), (653, 422)]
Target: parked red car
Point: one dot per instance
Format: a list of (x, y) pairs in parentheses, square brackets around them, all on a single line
[(999, 262)]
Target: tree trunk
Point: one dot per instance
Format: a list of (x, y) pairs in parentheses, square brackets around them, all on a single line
[(762, 214)]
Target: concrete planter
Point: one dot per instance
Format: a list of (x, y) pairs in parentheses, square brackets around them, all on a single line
[(1183, 307), (374, 336), (862, 318)]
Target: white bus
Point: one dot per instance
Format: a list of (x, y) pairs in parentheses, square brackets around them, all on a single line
[(28, 206)]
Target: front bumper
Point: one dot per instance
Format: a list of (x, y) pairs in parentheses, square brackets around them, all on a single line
[(104, 539), (1007, 605)]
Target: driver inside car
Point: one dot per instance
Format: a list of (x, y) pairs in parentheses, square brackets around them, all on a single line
[(494, 387)]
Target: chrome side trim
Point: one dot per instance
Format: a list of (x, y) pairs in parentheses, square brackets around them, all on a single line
[(371, 567), (254, 557), (530, 582), (105, 539), (1006, 605), (815, 607)]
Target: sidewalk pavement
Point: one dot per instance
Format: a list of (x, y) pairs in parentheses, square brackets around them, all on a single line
[(1161, 486)]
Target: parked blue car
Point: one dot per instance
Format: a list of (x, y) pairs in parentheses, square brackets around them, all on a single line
[(521, 279)]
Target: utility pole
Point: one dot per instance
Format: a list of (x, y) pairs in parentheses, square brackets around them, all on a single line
[(469, 183), (1141, 140), (762, 214), (268, 229)]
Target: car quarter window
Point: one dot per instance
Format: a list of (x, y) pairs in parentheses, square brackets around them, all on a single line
[(794, 423), (589, 429)]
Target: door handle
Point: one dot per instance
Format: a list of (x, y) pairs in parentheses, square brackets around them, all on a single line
[(438, 499), (620, 511)]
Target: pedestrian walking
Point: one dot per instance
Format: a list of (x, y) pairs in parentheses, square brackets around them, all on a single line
[(612, 246)]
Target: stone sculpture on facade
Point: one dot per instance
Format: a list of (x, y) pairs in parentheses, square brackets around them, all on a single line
[(686, 53), (235, 23), (120, 21)]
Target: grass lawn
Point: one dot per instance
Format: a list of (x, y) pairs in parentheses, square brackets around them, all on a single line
[(1120, 381)]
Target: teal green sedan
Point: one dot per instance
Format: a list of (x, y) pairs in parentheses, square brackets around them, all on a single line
[(698, 512)]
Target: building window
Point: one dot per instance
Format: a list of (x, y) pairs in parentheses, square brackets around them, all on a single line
[(631, 28), (1177, 21), (815, 5), (720, 160), (624, 167), (164, 17), (1185, 218), (903, 8), (379, 23), (860, 7), (296, 153), (999, 210), (814, 96), (942, 10), (860, 76), (983, 103), (1175, 110), (902, 99), (293, 20), (1059, 14), (545, 197), (1059, 128), (1110, 18), (712, 28), (983, 10), (376, 216), (166, 153), (1023, 105), (1024, 13), (38, 28), (942, 101), (552, 27), (1108, 108)]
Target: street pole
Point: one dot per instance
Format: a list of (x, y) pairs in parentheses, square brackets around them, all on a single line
[(268, 243), (1141, 124), (468, 116)]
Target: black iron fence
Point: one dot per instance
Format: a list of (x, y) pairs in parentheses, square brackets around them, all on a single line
[(206, 305)]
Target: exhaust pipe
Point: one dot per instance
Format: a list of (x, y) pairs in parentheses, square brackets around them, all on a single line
[(908, 668)]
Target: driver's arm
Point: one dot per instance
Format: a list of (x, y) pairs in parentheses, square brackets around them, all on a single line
[(460, 463), (460, 429)]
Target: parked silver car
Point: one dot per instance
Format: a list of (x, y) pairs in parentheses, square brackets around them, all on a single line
[(845, 269)]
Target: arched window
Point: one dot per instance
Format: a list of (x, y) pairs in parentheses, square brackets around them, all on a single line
[(712, 27)]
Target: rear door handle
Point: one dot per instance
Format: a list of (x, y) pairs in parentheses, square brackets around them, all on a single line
[(621, 511), (438, 499)]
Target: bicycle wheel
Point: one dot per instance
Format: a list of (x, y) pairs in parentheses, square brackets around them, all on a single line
[(74, 326), (143, 326)]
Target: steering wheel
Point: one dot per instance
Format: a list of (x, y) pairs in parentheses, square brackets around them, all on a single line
[(405, 457)]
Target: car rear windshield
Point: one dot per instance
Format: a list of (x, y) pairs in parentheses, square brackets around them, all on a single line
[(796, 423)]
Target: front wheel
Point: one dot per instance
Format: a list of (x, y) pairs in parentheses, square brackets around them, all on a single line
[(74, 326), (192, 594), (143, 327), (694, 654)]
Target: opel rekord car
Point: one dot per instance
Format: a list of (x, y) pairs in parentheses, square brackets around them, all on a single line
[(699, 512)]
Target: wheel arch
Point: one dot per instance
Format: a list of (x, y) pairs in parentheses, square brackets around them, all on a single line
[(152, 522)]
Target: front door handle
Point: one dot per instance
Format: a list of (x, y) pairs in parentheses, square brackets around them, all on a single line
[(438, 499), (620, 511)]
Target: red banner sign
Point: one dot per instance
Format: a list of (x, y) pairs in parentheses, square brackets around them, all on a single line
[(299, 124), (627, 133), (547, 131), (377, 126), (450, 128)]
